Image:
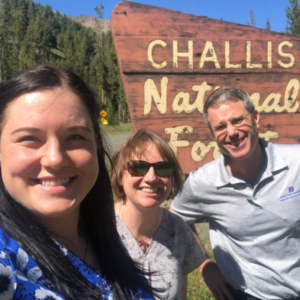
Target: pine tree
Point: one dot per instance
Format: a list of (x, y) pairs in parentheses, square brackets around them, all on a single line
[(293, 16), (99, 11), (8, 47), (99, 14), (286, 30), (33, 34), (268, 25), (251, 20)]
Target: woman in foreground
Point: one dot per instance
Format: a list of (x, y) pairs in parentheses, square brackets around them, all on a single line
[(57, 238), (147, 173)]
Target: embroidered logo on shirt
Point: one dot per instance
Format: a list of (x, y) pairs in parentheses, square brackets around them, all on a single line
[(290, 195)]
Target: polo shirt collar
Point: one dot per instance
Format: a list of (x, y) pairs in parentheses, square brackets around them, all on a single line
[(274, 163), (223, 176)]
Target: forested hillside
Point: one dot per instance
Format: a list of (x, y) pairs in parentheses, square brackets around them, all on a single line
[(33, 34)]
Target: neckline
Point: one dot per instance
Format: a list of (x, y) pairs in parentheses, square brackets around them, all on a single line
[(155, 237)]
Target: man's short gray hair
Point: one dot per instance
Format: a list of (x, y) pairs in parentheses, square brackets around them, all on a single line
[(226, 94)]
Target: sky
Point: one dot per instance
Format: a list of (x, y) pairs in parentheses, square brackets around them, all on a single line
[(236, 11)]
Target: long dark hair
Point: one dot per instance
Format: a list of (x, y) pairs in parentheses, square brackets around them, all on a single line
[(96, 210)]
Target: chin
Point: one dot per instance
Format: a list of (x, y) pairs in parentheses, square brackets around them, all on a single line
[(53, 212), (150, 204), (239, 156)]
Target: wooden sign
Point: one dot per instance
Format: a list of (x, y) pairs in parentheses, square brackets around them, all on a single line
[(172, 61)]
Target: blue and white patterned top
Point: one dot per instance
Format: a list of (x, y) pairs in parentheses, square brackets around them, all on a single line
[(21, 278)]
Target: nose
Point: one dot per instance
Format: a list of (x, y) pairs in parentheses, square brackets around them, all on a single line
[(231, 130), (150, 176), (53, 155)]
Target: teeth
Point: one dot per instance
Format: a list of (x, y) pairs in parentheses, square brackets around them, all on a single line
[(149, 190), (237, 142), (53, 182)]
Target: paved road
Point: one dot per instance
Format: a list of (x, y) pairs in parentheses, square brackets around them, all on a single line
[(116, 140)]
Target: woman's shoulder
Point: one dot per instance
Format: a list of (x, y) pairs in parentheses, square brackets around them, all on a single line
[(13, 251), (182, 242), (6, 268), (7, 242), (177, 222), (176, 231), (23, 277), (3, 235), (19, 272)]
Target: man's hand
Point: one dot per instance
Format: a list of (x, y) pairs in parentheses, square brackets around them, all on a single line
[(215, 280)]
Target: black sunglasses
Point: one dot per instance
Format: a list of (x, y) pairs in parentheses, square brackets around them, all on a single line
[(141, 168)]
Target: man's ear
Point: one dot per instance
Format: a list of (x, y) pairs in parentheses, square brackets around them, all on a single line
[(211, 130), (256, 118)]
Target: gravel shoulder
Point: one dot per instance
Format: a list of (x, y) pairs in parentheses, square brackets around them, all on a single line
[(114, 141)]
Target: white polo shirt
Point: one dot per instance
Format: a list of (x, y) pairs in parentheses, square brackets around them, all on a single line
[(254, 230)]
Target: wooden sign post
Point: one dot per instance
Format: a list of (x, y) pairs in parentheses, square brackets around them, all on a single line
[(172, 61)]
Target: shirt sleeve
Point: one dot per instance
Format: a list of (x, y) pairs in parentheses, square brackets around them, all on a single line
[(7, 280), (194, 255), (6, 275), (15, 283), (188, 203), (185, 247)]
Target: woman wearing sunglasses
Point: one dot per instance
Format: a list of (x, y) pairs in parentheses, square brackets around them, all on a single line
[(147, 173)]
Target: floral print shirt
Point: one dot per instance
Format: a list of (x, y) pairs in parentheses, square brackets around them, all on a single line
[(21, 278)]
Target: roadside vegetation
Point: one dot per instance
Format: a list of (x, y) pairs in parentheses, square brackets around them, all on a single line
[(122, 128), (197, 289), (32, 34)]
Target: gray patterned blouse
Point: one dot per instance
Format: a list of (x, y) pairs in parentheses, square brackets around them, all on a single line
[(174, 252)]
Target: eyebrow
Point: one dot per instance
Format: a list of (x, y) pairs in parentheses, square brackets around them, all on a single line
[(233, 118), (34, 130), (29, 129), (236, 117), (79, 127)]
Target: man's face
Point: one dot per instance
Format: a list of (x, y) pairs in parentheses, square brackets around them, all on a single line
[(235, 129)]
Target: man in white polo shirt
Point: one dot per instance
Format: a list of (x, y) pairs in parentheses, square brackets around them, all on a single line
[(251, 197)]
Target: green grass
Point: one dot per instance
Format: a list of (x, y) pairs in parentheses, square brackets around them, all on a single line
[(120, 129), (197, 289)]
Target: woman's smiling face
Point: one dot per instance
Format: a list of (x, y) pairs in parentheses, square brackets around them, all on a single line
[(149, 190), (48, 152)]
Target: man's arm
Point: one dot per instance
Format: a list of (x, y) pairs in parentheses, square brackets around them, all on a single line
[(212, 275)]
